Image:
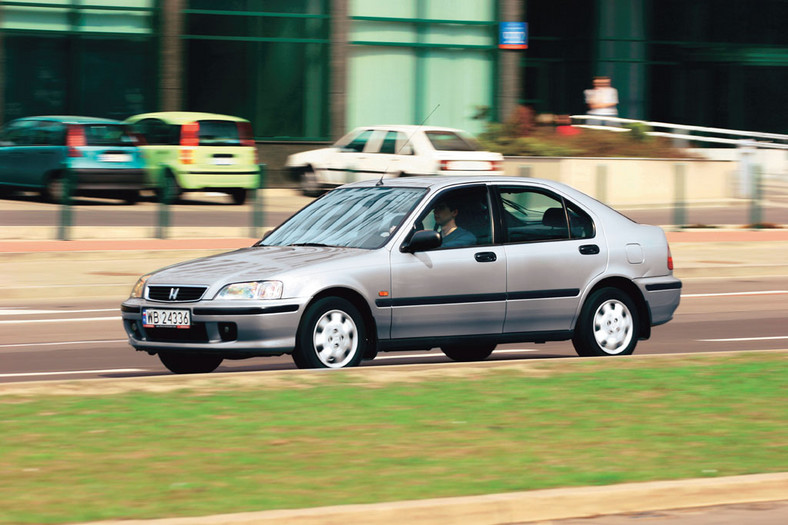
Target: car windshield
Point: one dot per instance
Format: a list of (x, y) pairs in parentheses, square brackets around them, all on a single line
[(348, 217), (450, 141), (107, 135)]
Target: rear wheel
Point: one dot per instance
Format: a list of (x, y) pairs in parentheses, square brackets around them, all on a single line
[(131, 197), (55, 190), (238, 195), (332, 334), (468, 352), (309, 185), (608, 324), (187, 363)]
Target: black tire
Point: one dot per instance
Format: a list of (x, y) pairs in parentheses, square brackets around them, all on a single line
[(332, 334), (55, 189), (309, 186), (468, 352), (238, 195), (131, 197), (608, 324), (186, 363)]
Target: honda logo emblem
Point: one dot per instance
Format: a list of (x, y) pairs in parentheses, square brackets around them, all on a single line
[(174, 294)]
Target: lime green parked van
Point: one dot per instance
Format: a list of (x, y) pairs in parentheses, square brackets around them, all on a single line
[(198, 152)]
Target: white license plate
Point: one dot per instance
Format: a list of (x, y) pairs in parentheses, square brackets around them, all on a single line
[(154, 317), (223, 161), (115, 157)]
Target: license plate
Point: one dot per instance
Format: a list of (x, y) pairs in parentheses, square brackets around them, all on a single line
[(115, 157), (223, 161), (154, 318)]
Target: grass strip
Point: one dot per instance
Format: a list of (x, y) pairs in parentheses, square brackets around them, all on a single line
[(240, 442)]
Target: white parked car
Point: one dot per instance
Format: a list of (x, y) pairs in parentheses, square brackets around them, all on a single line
[(392, 151)]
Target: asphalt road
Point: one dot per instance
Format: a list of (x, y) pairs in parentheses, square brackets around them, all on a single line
[(72, 339)]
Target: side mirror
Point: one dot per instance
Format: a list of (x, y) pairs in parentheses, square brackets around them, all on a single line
[(422, 241)]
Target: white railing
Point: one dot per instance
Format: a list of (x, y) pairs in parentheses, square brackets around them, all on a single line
[(751, 139)]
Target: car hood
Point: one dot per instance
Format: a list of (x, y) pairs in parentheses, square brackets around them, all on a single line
[(250, 264)]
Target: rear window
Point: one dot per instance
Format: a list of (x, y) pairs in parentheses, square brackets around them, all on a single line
[(450, 141), (219, 133), (107, 135)]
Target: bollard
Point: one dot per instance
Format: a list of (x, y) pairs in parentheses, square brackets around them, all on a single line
[(166, 192), (601, 182), (258, 216), (66, 212), (756, 212), (679, 188)]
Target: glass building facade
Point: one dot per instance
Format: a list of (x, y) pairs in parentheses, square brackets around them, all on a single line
[(309, 70)]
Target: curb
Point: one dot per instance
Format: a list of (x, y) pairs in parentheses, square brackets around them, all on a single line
[(517, 507)]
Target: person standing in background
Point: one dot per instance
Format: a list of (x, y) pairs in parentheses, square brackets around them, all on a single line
[(602, 100)]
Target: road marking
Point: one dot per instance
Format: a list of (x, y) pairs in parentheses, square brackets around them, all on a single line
[(59, 343), (75, 320), (740, 339), (441, 354), (76, 372), (25, 311), (731, 294)]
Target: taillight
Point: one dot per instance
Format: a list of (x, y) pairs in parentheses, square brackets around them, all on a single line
[(190, 137), (445, 165), (75, 138), (245, 134), (670, 260), (190, 134), (497, 165)]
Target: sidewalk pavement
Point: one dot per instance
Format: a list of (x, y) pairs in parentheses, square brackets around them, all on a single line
[(109, 267)]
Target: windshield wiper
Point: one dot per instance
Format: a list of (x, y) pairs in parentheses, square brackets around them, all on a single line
[(312, 244)]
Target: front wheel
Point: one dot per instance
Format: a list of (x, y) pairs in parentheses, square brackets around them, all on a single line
[(468, 352), (187, 363), (332, 334), (608, 324)]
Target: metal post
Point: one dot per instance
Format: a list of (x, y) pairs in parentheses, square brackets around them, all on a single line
[(66, 211), (756, 212), (166, 191), (258, 215), (680, 192), (601, 182)]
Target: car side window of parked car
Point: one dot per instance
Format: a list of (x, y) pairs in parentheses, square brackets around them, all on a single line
[(359, 142), (531, 215), (462, 217), (396, 143), (50, 133), (18, 133), (155, 132)]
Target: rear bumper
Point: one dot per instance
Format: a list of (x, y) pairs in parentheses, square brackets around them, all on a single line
[(662, 295), (104, 179), (203, 179)]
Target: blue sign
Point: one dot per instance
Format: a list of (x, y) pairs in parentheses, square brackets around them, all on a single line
[(513, 35)]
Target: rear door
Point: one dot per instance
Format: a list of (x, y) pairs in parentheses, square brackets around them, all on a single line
[(15, 154), (552, 252)]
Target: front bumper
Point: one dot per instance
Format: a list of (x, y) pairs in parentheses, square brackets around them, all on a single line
[(662, 294), (234, 331)]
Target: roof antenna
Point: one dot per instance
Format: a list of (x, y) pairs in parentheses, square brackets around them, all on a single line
[(380, 182)]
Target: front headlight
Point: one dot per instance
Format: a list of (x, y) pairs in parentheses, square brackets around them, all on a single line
[(252, 290), (139, 288)]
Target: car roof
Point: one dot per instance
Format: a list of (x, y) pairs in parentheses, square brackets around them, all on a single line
[(441, 181), (411, 128), (183, 117), (72, 119)]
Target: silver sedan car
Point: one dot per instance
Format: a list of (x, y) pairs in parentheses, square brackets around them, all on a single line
[(459, 263)]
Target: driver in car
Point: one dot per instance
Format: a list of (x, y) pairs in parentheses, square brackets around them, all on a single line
[(445, 213)]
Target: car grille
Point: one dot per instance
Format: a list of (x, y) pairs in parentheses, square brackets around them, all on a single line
[(196, 334), (173, 294)]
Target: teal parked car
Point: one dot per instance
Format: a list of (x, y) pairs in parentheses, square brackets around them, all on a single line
[(36, 153)]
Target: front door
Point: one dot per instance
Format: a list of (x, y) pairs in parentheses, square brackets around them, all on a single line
[(457, 289)]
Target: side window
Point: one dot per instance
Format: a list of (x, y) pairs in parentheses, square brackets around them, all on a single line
[(531, 215), (389, 144), (462, 217), (18, 134), (358, 143), (580, 224), (51, 133)]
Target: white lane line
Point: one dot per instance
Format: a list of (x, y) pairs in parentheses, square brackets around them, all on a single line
[(75, 320), (61, 343), (76, 372), (741, 339), (441, 354), (25, 311), (732, 294)]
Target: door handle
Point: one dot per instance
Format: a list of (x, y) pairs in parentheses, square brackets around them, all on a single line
[(485, 257), (589, 249)]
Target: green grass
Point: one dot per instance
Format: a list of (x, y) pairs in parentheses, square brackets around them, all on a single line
[(219, 445)]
